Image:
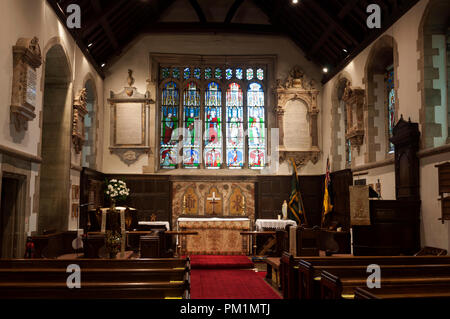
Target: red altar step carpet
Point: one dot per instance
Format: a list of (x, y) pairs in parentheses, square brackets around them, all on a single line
[(217, 277), (220, 262)]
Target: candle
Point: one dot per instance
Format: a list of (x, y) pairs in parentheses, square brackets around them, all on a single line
[(279, 217)]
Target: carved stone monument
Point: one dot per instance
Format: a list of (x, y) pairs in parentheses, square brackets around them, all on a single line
[(129, 122), (79, 112), (354, 100), (26, 59), (297, 103)]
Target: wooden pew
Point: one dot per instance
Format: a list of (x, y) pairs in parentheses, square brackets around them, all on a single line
[(309, 269), (100, 278), (341, 281), (405, 291)]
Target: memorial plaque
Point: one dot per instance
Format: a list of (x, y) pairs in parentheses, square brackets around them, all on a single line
[(296, 126), (31, 83), (129, 124)]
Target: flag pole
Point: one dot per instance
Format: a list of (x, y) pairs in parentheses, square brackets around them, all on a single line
[(299, 195)]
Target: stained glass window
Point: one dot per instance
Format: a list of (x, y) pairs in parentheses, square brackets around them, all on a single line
[(197, 73), (213, 126), (389, 79), (239, 74), (208, 73), (176, 73), (235, 126), (164, 73), (218, 73), (191, 134), (228, 74), (260, 74), (187, 73), (169, 125), (256, 126), (200, 116), (249, 74)]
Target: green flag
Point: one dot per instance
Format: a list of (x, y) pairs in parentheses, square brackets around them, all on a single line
[(296, 211)]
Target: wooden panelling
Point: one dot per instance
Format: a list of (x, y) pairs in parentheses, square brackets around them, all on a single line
[(149, 195)]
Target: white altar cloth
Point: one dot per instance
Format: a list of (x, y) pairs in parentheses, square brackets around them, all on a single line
[(260, 224), (155, 223)]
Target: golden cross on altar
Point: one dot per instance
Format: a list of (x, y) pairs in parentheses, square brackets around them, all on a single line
[(214, 200)]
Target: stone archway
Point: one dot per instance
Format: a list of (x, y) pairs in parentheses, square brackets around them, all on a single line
[(434, 65), (338, 129), (56, 142), (383, 54)]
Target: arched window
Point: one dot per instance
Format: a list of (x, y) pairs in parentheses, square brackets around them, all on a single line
[(213, 126), (256, 126), (191, 142), (170, 102), (235, 126), (220, 110), (390, 103)]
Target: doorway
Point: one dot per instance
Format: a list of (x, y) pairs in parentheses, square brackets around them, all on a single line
[(12, 234)]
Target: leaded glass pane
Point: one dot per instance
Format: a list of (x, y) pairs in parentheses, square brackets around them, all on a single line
[(256, 126), (213, 126), (197, 73), (235, 126), (165, 73), (389, 79), (218, 73), (176, 73), (228, 74), (187, 73), (169, 125), (239, 74), (249, 74), (208, 73), (191, 141), (260, 74)]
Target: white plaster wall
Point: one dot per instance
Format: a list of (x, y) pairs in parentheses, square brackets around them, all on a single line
[(405, 33), (29, 18), (137, 59)]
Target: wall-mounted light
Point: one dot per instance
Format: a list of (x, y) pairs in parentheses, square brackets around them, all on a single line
[(325, 70), (90, 44), (345, 50), (294, 1), (103, 65)]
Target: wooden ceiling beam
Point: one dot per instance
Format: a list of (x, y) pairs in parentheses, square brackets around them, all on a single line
[(232, 11), (78, 40), (190, 27), (105, 24), (96, 19), (198, 10), (335, 24)]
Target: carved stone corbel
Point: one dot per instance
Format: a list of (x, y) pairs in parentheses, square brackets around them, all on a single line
[(354, 100), (26, 59), (79, 112)]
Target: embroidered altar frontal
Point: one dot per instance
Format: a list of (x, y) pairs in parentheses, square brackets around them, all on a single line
[(216, 236)]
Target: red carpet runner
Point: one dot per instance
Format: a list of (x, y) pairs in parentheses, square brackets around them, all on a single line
[(216, 277)]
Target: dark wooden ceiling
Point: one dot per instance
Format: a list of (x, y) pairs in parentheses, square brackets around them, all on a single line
[(329, 32)]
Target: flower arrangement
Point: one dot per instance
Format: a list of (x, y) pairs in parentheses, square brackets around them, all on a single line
[(117, 190), (113, 240)]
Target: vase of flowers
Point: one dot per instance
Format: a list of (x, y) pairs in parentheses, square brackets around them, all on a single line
[(116, 190), (112, 244)]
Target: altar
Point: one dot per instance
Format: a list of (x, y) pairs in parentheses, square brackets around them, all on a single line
[(215, 235)]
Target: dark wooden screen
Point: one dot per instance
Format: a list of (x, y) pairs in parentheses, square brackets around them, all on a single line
[(149, 195)]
